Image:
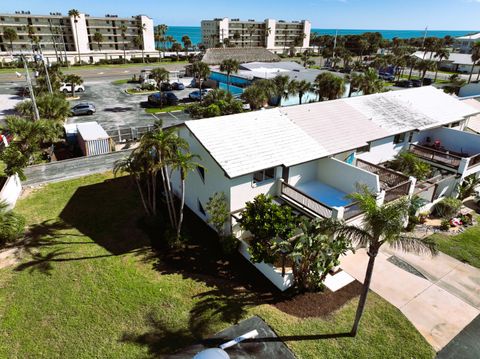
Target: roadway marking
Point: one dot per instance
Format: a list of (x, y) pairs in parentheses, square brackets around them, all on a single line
[(100, 73), (126, 71)]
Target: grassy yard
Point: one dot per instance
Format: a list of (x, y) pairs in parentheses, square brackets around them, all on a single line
[(121, 82), (89, 286), (165, 109), (464, 246)]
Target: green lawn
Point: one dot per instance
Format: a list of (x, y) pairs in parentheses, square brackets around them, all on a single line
[(90, 288), (464, 246), (165, 109), (121, 82)]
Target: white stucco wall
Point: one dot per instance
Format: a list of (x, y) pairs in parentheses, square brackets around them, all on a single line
[(307, 28), (383, 150), (11, 191), (302, 173), (345, 177), (148, 33), (272, 24), (452, 139), (80, 28)]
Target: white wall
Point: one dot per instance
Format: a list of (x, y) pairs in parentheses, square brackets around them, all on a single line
[(148, 33), (302, 173), (452, 139), (470, 90), (383, 150), (244, 190), (272, 24), (307, 28), (11, 191), (345, 177), (80, 33)]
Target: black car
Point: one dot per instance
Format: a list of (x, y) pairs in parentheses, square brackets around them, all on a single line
[(178, 86), (404, 83), (166, 98), (167, 86), (416, 83), (427, 81), (386, 76)]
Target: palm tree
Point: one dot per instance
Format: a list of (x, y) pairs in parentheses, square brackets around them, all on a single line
[(98, 38), (74, 80), (32, 36), (170, 39), (381, 224), (300, 88), (186, 43), (229, 66), (12, 225), (160, 75), (123, 30), (251, 31), (138, 40), (411, 62), (200, 72), (475, 59), (440, 54), (425, 65), (328, 86), (184, 163), (160, 32), (280, 87), (10, 35), (369, 82), (176, 47), (50, 107), (255, 96), (76, 14)]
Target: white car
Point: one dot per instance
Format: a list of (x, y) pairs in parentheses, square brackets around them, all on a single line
[(67, 88), (150, 82)]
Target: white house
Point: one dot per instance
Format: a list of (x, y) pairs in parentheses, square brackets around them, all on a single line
[(311, 156), (464, 43), (455, 62)]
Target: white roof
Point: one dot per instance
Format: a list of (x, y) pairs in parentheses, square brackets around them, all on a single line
[(335, 125), (474, 121), (252, 141), (247, 142), (454, 57), (470, 37), (91, 131)]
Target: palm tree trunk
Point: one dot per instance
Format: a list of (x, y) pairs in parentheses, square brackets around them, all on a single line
[(170, 193), (145, 207), (124, 53), (471, 73), (182, 205), (154, 193), (478, 74), (410, 74), (363, 295), (167, 198), (436, 74), (228, 82)]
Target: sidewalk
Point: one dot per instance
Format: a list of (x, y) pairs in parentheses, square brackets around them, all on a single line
[(440, 300)]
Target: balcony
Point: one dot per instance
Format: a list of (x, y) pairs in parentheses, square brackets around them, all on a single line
[(439, 156)]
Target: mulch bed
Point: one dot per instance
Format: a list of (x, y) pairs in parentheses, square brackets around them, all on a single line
[(319, 304)]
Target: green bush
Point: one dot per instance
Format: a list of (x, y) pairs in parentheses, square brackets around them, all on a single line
[(447, 207), (229, 244), (445, 225), (12, 225), (411, 165)]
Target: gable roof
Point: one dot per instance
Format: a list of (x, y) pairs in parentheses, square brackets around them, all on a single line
[(215, 56), (252, 141), (248, 142), (454, 57), (469, 37)]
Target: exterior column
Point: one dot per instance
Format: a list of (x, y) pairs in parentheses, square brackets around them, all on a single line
[(338, 212)]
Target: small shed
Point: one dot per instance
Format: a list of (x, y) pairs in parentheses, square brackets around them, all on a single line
[(92, 139)]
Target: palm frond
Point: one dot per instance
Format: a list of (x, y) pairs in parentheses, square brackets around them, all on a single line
[(414, 245)]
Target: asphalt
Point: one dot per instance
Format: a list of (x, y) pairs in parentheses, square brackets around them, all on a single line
[(466, 345)]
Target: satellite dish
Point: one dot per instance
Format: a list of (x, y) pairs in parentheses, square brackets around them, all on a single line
[(212, 353)]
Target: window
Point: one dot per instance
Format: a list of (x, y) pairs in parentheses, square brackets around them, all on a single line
[(17, 19), (455, 124), (400, 138), (201, 172), (200, 208), (264, 175)]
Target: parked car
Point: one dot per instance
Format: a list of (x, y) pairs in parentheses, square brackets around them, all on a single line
[(404, 83), (165, 98), (195, 95), (149, 82), (178, 86), (416, 83), (386, 76), (67, 88), (83, 109), (166, 86), (427, 81)]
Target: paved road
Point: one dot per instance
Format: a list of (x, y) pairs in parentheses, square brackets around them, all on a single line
[(440, 296), (466, 345)]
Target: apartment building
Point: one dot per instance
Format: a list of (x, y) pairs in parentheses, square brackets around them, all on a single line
[(59, 36), (465, 43), (275, 35)]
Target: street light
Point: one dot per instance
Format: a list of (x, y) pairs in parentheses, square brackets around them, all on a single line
[(29, 84)]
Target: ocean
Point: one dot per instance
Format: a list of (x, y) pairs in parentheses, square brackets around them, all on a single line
[(195, 34)]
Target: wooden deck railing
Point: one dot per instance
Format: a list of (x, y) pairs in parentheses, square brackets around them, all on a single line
[(398, 191), (440, 157), (390, 177), (305, 200)]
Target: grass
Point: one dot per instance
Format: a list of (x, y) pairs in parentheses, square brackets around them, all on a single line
[(134, 91), (89, 289), (464, 246), (165, 109), (121, 82)]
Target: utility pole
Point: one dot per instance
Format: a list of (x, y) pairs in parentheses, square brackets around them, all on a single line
[(423, 42), (30, 88)]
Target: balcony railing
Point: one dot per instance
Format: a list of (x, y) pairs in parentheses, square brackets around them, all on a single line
[(440, 157), (398, 191), (351, 210), (474, 161), (303, 199), (390, 177)]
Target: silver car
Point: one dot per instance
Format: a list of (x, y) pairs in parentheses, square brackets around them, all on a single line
[(83, 109)]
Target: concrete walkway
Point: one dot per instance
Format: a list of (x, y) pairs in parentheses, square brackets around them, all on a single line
[(439, 295)]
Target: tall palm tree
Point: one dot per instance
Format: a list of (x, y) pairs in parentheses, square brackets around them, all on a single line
[(412, 63), (123, 31), (76, 14), (184, 162), (98, 38), (369, 82), (138, 40), (251, 30), (10, 35), (176, 47), (425, 65), (440, 54), (280, 88), (255, 96), (160, 75), (230, 66), (160, 33), (475, 59), (328, 86), (50, 107), (74, 80), (300, 88), (34, 39), (187, 42), (170, 40), (382, 224), (200, 72)]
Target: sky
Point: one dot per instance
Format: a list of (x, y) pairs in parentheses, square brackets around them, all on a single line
[(325, 14)]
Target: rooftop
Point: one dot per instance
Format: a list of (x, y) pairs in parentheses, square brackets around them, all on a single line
[(252, 141), (470, 37), (455, 58), (91, 131), (215, 56)]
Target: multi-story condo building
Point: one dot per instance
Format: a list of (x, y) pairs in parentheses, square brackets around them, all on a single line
[(60, 36), (274, 35)]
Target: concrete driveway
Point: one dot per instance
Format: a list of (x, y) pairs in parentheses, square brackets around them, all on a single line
[(439, 295)]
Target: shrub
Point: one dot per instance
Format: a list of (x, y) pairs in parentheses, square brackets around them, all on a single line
[(411, 165), (447, 207), (12, 225), (445, 225), (229, 245)]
